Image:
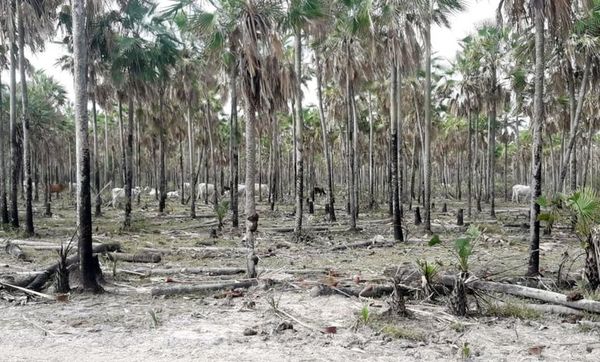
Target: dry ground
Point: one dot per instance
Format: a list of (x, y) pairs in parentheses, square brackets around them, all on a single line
[(127, 324)]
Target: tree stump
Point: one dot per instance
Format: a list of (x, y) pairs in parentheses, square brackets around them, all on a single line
[(444, 207), (417, 216), (311, 207), (433, 206), (460, 217)]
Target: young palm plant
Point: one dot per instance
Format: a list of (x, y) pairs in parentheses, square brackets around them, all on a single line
[(463, 249), (585, 205)]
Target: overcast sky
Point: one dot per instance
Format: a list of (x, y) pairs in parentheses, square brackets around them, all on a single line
[(444, 41)]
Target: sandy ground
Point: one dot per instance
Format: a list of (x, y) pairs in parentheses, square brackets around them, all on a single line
[(127, 324)]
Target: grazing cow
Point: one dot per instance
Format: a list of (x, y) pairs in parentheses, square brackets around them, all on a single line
[(520, 190), (319, 191), (173, 194), (118, 196), (261, 189), (205, 190), (152, 192), (187, 186), (57, 188)]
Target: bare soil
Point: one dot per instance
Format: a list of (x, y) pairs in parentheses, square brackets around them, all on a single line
[(127, 324)]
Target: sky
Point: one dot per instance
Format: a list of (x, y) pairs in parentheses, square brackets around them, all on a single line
[(445, 42)]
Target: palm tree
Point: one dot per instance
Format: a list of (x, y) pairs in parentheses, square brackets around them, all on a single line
[(84, 202), (3, 201), (436, 11), (14, 145)]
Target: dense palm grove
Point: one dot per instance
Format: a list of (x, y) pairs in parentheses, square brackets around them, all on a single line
[(169, 96)]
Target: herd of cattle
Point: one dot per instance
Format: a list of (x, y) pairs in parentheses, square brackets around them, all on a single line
[(207, 191), (204, 191)]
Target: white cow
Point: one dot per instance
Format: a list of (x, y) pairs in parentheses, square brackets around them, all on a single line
[(205, 190), (187, 186), (261, 189), (520, 190), (152, 192), (173, 194), (118, 196)]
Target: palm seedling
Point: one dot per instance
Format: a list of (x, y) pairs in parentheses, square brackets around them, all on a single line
[(585, 206), (221, 210), (62, 272), (463, 249)]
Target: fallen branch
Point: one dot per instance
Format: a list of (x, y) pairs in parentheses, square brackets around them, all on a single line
[(29, 291), (135, 258), (364, 244), (547, 308), (201, 288), (36, 282), (526, 292), (206, 271)]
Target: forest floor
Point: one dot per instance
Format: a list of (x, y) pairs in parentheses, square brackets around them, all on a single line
[(127, 323)]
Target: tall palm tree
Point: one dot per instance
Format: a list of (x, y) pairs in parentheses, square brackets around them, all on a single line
[(435, 11), (3, 172), (84, 202), (14, 145)]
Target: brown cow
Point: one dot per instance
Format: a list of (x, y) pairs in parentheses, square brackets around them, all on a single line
[(57, 188)]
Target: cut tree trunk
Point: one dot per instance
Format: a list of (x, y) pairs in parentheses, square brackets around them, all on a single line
[(201, 288)]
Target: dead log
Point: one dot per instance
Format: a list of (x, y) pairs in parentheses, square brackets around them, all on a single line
[(362, 244), (135, 258), (547, 308), (36, 282), (15, 251), (367, 291), (205, 271), (526, 292), (201, 288)]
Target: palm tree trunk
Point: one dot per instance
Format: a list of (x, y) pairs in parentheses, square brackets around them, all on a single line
[(470, 165), (349, 141), (212, 150), (3, 204), (588, 154), (161, 152), (84, 201), (129, 164), (492, 145), (371, 158), (191, 161), (506, 159), (394, 105), (233, 146), (251, 215), (14, 145), (98, 210), (536, 149), (121, 143), (299, 124), (106, 150), (26, 154), (427, 143), (328, 159), (182, 187), (575, 122)]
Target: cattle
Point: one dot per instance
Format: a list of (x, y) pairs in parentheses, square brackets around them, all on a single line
[(173, 194), (187, 186), (520, 190), (117, 196), (152, 192), (261, 189), (319, 191), (57, 188), (205, 191)]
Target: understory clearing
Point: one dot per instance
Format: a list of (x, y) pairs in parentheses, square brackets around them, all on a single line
[(282, 317)]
